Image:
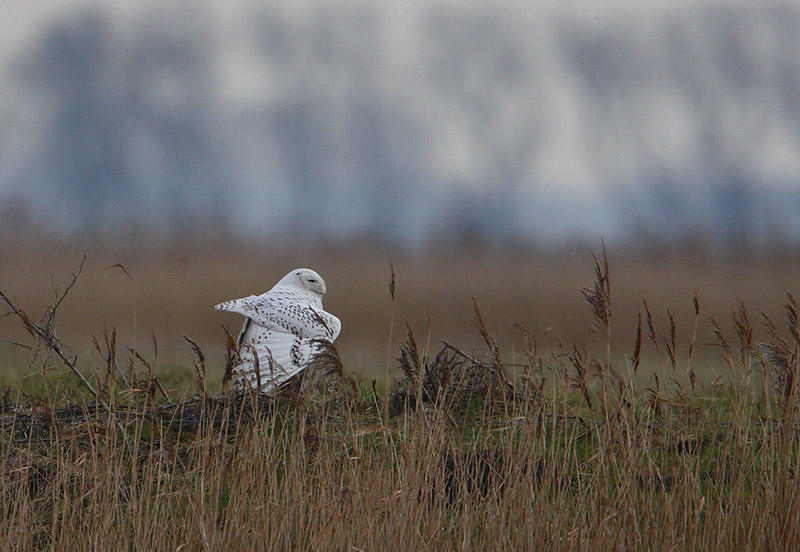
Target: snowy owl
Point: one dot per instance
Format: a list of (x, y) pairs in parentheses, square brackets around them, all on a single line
[(281, 330)]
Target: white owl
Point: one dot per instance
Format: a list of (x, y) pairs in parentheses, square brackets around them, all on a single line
[(281, 330)]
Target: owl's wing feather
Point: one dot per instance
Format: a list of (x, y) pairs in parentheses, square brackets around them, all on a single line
[(288, 310), (274, 355)]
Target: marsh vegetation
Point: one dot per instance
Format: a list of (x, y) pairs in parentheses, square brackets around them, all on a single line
[(650, 437)]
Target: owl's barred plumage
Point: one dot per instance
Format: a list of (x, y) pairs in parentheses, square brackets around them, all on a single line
[(282, 331)]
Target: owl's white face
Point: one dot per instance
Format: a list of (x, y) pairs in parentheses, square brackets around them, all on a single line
[(310, 280), (307, 280)]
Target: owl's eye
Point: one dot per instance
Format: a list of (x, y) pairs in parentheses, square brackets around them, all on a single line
[(312, 281)]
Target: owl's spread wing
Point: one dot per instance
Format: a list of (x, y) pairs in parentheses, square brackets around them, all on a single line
[(289, 311)]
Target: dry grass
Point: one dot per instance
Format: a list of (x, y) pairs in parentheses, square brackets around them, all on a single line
[(544, 447)]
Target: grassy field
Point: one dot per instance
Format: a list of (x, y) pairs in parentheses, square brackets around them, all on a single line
[(589, 425)]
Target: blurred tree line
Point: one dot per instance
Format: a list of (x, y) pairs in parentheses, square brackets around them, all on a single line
[(434, 123)]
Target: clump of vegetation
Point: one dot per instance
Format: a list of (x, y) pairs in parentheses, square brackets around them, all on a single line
[(554, 450)]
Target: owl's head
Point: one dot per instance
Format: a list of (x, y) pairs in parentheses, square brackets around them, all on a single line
[(306, 279)]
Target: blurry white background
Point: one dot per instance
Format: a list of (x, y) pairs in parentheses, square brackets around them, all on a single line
[(409, 123)]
